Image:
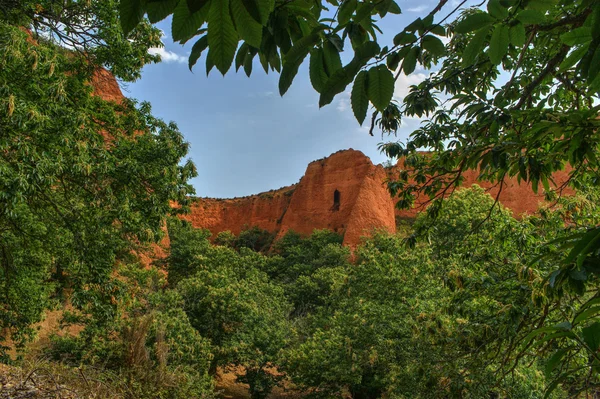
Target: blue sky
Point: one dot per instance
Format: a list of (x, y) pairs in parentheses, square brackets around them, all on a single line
[(244, 137)]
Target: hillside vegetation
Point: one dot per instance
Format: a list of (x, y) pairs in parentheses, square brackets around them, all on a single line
[(466, 302)]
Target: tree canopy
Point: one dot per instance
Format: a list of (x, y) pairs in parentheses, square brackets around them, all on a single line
[(83, 181)]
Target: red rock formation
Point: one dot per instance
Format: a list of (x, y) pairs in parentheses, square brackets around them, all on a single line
[(362, 202), (106, 87), (360, 205), (264, 210), (517, 197), (344, 192)]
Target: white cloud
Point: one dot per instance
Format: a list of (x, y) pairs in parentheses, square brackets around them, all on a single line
[(262, 94), (343, 102), (404, 82), (417, 9), (167, 56)]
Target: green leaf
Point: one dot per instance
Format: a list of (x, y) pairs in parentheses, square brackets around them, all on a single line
[(197, 50), (265, 8), (337, 41), (346, 10), (591, 336), (583, 245), (496, 9), (131, 13), (342, 77), (554, 360), (240, 56), (195, 5), (247, 27), (331, 58), (415, 25), (335, 84), (364, 10), (381, 87), (316, 69), (585, 315), (573, 58), (383, 7), (222, 37), (517, 35), (531, 17), (434, 45), (594, 66), (303, 46), (394, 8), (185, 25), (499, 44), (393, 60), (541, 5), (410, 61), (475, 47), (474, 22), (248, 62), (579, 35), (404, 38), (359, 98), (159, 10), (288, 73), (595, 22)]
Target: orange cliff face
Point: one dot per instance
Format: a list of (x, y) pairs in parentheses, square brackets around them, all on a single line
[(519, 198), (344, 192)]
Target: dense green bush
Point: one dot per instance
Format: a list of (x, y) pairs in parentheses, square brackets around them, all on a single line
[(150, 345)]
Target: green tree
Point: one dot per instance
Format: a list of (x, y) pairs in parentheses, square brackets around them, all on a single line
[(83, 181), (90, 29), (230, 300), (437, 320)]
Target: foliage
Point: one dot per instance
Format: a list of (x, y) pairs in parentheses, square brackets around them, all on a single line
[(90, 29), (431, 321), (255, 238), (309, 268), (186, 244), (150, 345), (230, 300), (83, 182)]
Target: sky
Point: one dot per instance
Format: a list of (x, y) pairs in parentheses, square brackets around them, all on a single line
[(246, 139)]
